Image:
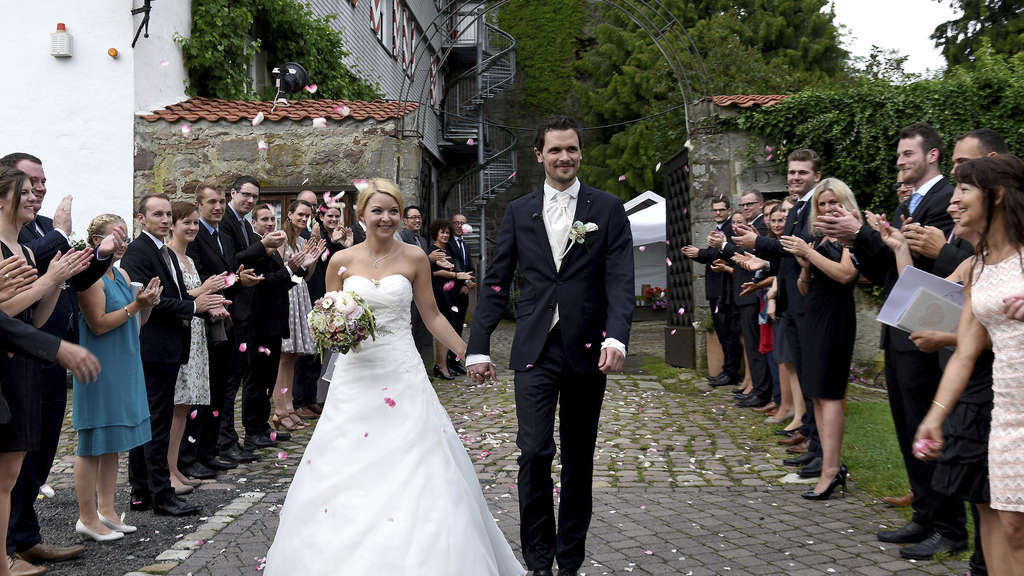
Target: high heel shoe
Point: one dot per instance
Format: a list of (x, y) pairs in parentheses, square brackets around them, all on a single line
[(85, 532), (839, 479), (278, 423), (439, 374), (120, 527), (297, 421)]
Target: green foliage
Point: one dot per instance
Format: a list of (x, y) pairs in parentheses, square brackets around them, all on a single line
[(855, 130), (1000, 22), (747, 46), (870, 449), (219, 53), (548, 34)]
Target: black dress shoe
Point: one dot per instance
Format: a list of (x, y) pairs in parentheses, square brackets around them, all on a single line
[(174, 506), (439, 374), (541, 573), (932, 545), (722, 380), (909, 534), (219, 463), (566, 572), (801, 460), (280, 436), (236, 454), (140, 503), (753, 402), (456, 368), (199, 471), (255, 441), (784, 432), (812, 469)]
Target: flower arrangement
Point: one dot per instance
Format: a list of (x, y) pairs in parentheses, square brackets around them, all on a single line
[(578, 231), (655, 298), (340, 321)]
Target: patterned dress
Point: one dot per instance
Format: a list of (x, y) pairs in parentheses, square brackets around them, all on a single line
[(193, 386), (991, 285), (300, 338)]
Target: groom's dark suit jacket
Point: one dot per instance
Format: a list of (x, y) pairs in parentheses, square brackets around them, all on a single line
[(593, 289)]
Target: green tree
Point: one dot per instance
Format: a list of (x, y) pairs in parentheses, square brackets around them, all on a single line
[(219, 51), (1001, 22), (746, 46)]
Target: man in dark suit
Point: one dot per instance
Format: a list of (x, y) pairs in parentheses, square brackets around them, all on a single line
[(749, 305), (164, 342), (460, 255), (803, 172), (45, 237), (574, 313), (268, 326), (718, 291), (912, 376)]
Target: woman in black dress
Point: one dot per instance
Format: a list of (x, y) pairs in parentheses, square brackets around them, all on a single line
[(827, 280), (443, 281), (19, 375)]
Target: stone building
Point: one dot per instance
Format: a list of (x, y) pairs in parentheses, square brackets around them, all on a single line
[(203, 139)]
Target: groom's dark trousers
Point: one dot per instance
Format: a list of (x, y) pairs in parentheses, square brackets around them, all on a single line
[(538, 391)]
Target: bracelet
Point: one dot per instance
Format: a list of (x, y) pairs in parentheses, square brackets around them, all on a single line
[(939, 404), (127, 312)]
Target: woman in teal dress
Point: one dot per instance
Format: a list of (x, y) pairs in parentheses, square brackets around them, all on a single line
[(111, 414)]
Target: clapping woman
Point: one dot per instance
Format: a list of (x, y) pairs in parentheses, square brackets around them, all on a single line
[(111, 415), (443, 278), (19, 376), (827, 279)]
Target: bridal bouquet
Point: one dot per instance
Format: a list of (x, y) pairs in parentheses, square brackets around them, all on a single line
[(340, 321)]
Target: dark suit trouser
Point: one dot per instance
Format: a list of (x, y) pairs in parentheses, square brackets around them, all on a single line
[(227, 436), (759, 374), (912, 378), (792, 325), (258, 388), (725, 318), (307, 374), (537, 392), (147, 464), (23, 531)]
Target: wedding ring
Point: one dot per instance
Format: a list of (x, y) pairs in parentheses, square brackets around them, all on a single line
[(6, 276)]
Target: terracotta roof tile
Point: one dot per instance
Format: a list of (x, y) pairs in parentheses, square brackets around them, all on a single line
[(214, 109), (749, 100)]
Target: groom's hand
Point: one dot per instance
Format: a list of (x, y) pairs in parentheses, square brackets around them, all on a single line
[(483, 372), (611, 360)]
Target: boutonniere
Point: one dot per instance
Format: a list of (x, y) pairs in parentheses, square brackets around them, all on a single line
[(578, 231)]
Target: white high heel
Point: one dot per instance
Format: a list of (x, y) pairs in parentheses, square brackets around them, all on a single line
[(85, 532), (125, 528)]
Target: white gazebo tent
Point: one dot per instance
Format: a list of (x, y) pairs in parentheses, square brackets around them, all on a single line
[(646, 215)]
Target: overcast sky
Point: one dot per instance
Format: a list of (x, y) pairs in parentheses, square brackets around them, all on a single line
[(902, 25)]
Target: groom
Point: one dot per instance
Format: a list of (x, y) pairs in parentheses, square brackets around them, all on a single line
[(573, 318)]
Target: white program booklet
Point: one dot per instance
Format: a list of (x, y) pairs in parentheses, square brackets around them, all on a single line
[(923, 301)]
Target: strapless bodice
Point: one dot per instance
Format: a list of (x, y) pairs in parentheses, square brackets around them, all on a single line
[(389, 298)]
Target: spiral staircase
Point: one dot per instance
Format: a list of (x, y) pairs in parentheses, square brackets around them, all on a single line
[(491, 54)]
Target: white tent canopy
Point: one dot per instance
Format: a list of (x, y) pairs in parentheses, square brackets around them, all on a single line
[(647, 223)]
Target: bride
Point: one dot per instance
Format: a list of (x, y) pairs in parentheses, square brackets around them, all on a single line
[(385, 485)]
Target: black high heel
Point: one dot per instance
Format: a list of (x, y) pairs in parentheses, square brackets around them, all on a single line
[(840, 479), (442, 375)]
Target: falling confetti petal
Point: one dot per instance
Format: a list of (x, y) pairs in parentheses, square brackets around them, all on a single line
[(467, 229), (193, 414), (311, 88), (470, 142), (366, 434), (587, 345), (514, 174), (681, 311), (320, 122), (604, 334), (768, 157), (243, 347), (528, 366), (216, 414), (191, 439), (47, 490), (273, 436), (642, 248), (343, 110), (230, 280), (262, 144), (263, 350), (341, 270), (164, 63), (186, 129), (455, 308), (284, 390), (449, 285), (282, 455), (258, 119), (389, 402), (361, 184), (658, 167), (622, 178), (648, 552), (496, 288), (673, 332), (668, 261)]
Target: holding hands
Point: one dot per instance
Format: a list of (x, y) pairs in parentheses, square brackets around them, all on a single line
[(16, 276)]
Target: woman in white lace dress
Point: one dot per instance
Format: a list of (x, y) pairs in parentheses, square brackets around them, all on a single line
[(193, 386), (300, 339), (990, 196)]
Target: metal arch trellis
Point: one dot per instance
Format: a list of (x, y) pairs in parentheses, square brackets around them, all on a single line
[(652, 16)]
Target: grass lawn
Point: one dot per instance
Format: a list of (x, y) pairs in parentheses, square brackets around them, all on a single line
[(870, 449)]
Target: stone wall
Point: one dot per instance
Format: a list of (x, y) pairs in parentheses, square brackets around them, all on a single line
[(168, 161), (724, 162)]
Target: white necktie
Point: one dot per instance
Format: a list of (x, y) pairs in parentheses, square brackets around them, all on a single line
[(558, 225)]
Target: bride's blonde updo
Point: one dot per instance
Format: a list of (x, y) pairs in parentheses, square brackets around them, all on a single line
[(381, 186)]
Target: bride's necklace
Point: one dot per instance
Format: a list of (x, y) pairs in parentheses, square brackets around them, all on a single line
[(377, 261)]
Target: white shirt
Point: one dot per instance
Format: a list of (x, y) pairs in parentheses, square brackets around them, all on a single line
[(927, 186), (174, 276), (557, 248)]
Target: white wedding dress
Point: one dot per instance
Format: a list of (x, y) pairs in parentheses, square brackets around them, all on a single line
[(385, 486)]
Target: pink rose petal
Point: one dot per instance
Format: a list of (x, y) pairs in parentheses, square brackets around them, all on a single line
[(448, 285), (389, 402), (673, 332), (258, 119), (528, 366), (496, 288), (648, 552), (262, 145), (455, 308), (342, 110), (470, 142), (587, 345), (668, 261), (681, 311), (186, 129), (366, 434), (311, 88), (320, 122), (361, 184), (341, 270), (273, 436), (216, 414), (282, 455), (622, 178), (192, 415), (604, 334), (642, 248), (284, 390), (513, 174), (164, 63), (243, 347), (230, 280)]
